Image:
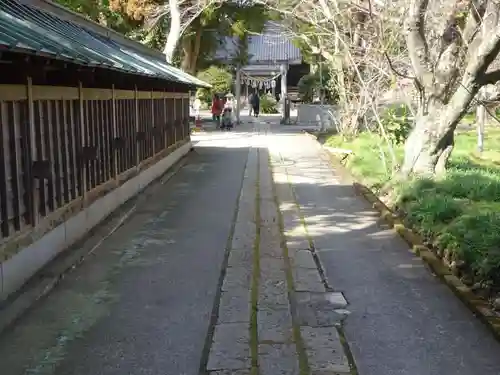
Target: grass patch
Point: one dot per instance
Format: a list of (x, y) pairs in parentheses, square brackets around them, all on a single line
[(459, 213)]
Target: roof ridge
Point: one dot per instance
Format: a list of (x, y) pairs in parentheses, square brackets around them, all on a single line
[(66, 14), (26, 28)]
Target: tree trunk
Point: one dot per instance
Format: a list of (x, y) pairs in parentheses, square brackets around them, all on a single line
[(186, 54), (426, 149), (174, 33), (431, 141), (196, 51), (445, 91), (191, 45)]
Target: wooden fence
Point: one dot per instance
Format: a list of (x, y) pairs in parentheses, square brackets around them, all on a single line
[(60, 143)]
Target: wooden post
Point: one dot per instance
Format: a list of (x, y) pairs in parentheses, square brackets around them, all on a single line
[(137, 148), (165, 118), (33, 189), (284, 94), (115, 130), (175, 119), (153, 134), (81, 161), (183, 118)]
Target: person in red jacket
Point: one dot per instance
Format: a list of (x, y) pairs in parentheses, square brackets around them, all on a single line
[(216, 109)]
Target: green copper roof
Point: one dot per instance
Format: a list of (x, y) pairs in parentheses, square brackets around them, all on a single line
[(27, 29)]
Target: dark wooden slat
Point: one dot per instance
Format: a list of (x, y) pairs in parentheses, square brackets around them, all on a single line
[(88, 142), (62, 120), (39, 124), (98, 142), (150, 122), (105, 139), (71, 129), (80, 137), (141, 134), (130, 115), (48, 151), (56, 151), (13, 126), (4, 208), (170, 121), (145, 126), (26, 162), (121, 128), (94, 142), (119, 135), (166, 123), (109, 140)]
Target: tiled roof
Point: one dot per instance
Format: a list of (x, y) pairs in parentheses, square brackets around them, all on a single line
[(27, 29), (272, 46)]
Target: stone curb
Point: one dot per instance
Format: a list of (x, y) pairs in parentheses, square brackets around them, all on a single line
[(310, 135), (16, 308), (479, 306)]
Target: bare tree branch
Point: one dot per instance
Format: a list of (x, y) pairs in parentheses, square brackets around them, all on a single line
[(417, 43)]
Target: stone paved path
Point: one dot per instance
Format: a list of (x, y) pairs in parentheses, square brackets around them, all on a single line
[(400, 319), (254, 259), (267, 319)]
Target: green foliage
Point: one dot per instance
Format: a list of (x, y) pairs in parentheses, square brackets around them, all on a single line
[(268, 104), (307, 86), (312, 83), (220, 79), (459, 213), (397, 123), (101, 11), (218, 21), (303, 45)]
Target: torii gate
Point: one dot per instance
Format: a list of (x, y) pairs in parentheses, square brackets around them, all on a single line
[(270, 54)]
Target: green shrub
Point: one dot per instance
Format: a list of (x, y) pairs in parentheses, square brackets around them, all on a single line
[(306, 87), (475, 239), (430, 212), (312, 83), (268, 104), (397, 123), (220, 79)]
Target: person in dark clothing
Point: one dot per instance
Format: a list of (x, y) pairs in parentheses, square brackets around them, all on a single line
[(255, 104), (250, 105)]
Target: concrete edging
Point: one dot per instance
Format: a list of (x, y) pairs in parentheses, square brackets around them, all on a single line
[(478, 305), (23, 302)]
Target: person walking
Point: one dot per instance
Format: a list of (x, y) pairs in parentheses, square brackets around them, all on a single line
[(216, 109), (196, 107), (250, 101), (256, 104)]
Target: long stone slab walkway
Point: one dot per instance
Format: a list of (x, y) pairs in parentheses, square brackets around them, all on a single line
[(268, 321)]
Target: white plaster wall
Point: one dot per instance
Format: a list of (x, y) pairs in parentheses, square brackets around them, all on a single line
[(18, 269), (317, 115)]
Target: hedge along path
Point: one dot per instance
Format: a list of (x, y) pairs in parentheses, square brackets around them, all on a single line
[(479, 306)]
